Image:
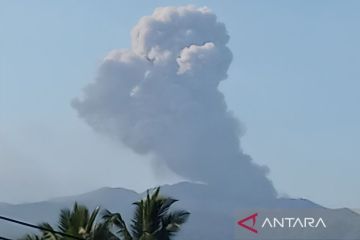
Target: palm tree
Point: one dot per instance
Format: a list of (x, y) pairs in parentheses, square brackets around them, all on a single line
[(32, 237), (152, 220), (77, 223)]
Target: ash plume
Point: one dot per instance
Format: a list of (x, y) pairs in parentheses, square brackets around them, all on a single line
[(161, 97)]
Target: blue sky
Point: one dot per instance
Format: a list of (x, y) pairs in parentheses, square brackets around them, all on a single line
[(294, 84)]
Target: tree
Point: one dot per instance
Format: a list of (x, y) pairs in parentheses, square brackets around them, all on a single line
[(78, 223), (152, 219), (32, 237)]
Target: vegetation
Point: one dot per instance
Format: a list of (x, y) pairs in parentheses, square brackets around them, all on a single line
[(78, 222), (152, 220)]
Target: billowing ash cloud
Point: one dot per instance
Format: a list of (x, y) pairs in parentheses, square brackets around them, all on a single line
[(161, 97)]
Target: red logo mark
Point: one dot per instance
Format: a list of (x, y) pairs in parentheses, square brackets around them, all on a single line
[(250, 228)]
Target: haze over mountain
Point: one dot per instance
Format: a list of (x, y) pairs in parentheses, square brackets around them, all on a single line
[(213, 216)]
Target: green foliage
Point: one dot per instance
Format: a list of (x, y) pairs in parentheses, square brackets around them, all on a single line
[(152, 219), (78, 222)]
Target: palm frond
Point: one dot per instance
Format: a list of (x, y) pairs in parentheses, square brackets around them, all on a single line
[(174, 220), (64, 220), (48, 235), (31, 237), (92, 219), (115, 220)]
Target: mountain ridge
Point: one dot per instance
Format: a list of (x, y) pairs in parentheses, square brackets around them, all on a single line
[(207, 208)]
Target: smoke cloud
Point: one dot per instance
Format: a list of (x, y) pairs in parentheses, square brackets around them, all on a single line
[(161, 97)]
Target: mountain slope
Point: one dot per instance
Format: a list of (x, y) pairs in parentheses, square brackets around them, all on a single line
[(213, 215)]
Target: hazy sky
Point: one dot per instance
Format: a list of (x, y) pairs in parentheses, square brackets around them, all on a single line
[(293, 83)]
